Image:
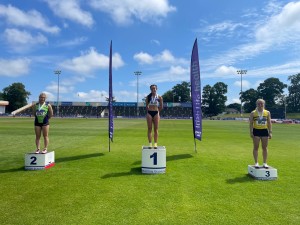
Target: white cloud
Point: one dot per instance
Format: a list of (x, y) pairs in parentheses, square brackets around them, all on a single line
[(227, 26), (174, 73), (143, 58), (14, 68), (155, 42), (165, 58), (32, 19), (63, 88), (225, 70), (124, 11), (73, 42), (92, 96), (22, 40), (280, 30), (125, 96), (70, 9), (245, 84), (90, 61)]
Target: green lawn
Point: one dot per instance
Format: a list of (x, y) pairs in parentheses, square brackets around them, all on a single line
[(89, 185)]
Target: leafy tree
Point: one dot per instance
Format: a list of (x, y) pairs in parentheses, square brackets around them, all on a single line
[(168, 96), (271, 91), (179, 93), (213, 99), (182, 92), (235, 106), (249, 98), (293, 99), (16, 95)]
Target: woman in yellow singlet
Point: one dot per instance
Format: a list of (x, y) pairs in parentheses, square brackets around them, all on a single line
[(154, 104), (260, 131)]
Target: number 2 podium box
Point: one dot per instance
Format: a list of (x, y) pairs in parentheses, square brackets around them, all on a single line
[(262, 173), (35, 161), (153, 160)]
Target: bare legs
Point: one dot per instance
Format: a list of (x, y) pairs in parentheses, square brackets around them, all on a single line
[(264, 143), (153, 122), (38, 131)]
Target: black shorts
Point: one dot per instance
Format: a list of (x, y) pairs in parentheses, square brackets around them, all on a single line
[(260, 132), (152, 113), (41, 124)]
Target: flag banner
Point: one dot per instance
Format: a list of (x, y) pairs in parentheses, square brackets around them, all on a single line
[(196, 93), (110, 98)]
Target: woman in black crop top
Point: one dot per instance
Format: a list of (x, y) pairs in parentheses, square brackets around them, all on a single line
[(154, 104)]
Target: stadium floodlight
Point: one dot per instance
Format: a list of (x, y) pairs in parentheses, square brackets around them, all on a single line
[(241, 72), (137, 73), (57, 72)]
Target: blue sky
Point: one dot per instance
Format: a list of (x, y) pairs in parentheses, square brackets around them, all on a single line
[(154, 37)]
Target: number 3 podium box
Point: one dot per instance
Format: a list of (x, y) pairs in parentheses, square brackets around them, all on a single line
[(153, 160), (35, 161), (262, 173)]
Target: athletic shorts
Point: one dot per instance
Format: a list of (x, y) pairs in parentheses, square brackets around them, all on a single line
[(41, 124), (153, 113), (260, 132)]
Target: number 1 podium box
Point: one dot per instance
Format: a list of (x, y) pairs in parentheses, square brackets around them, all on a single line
[(153, 160), (35, 161), (262, 173)]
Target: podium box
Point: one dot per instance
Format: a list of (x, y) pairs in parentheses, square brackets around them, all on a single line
[(262, 173), (40, 161), (153, 160)]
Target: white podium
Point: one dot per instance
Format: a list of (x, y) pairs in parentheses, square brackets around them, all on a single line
[(262, 173), (153, 160), (40, 161)]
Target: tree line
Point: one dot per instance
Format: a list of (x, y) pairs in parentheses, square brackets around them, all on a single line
[(213, 97)]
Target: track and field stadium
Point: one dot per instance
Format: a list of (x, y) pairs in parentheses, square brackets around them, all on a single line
[(89, 185)]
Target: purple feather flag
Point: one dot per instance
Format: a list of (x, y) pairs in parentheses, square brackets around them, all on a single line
[(110, 98), (196, 93)]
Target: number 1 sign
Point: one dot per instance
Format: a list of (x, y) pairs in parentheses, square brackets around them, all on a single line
[(153, 160)]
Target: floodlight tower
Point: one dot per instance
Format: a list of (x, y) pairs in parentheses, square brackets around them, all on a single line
[(241, 72), (137, 73), (57, 72)]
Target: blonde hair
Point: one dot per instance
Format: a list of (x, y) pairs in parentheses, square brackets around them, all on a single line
[(260, 100)]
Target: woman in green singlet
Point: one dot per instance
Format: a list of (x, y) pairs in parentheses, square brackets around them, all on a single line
[(42, 112)]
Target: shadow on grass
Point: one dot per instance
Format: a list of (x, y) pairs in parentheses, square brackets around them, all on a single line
[(242, 179), (133, 171), (78, 157), (13, 170), (59, 160), (138, 170)]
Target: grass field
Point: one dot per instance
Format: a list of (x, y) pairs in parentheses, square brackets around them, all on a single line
[(89, 185)]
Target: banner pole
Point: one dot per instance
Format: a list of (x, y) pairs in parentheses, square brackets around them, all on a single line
[(195, 145), (109, 144)]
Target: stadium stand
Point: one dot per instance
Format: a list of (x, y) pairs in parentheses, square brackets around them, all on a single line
[(120, 109)]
